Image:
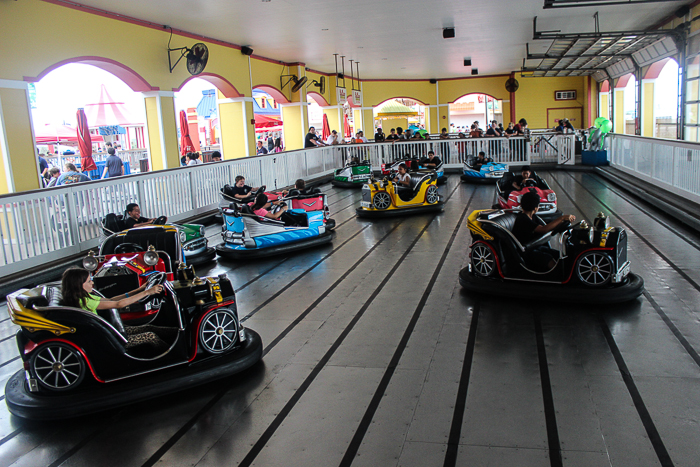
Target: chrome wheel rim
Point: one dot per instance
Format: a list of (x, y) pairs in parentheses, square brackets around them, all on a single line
[(219, 331), (431, 195), (483, 261), (594, 269), (382, 200), (58, 367)]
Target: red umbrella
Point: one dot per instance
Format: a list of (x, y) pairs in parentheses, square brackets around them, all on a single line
[(87, 163), (185, 140), (346, 127), (262, 121), (326, 127)]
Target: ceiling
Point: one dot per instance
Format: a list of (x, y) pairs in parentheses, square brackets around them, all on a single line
[(390, 39)]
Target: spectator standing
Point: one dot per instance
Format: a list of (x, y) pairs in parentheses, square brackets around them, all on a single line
[(278, 144), (493, 130), (379, 136), (519, 130), (475, 131), (333, 139), (399, 133), (270, 143), (216, 156), (444, 146), (520, 127), (392, 136), (114, 167), (71, 175), (193, 158), (311, 139), (261, 149), (361, 135)]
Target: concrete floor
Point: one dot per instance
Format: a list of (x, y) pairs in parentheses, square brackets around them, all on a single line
[(374, 357)]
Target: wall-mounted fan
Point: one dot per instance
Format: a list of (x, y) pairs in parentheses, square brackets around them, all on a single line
[(298, 82), (321, 85), (512, 85), (197, 57)]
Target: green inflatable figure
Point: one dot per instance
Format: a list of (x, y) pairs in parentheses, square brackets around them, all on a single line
[(596, 140)]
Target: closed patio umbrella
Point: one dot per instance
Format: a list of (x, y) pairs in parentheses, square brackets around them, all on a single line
[(87, 163), (185, 140), (347, 132), (326, 128)]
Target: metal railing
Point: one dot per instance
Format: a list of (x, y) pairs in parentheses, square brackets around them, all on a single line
[(46, 225), (673, 165), (132, 156)]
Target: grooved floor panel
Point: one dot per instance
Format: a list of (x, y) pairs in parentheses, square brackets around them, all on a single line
[(395, 366)]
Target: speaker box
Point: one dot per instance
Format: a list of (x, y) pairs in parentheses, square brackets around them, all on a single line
[(245, 50), (467, 62), (682, 11), (448, 33), (433, 81), (475, 71)]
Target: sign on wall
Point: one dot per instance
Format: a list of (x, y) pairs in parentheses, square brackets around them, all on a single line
[(357, 98), (341, 95)]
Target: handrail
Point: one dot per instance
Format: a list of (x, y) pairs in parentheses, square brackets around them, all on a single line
[(46, 225)]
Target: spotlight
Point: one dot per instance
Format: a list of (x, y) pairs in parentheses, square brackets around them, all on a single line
[(448, 33), (475, 71), (245, 50), (467, 62)]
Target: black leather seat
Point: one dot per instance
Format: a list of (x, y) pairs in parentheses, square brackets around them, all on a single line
[(113, 223)]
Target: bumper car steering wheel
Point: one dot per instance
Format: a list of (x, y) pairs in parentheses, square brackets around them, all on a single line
[(128, 248), (156, 300), (160, 220), (529, 183)]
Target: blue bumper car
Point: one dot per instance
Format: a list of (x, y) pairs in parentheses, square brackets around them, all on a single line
[(489, 172), (246, 235)]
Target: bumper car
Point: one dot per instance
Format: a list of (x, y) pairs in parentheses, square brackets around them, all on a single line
[(415, 166), (592, 266), (489, 172), (246, 235), (384, 198), (509, 198), (353, 175), (195, 245), (77, 362)]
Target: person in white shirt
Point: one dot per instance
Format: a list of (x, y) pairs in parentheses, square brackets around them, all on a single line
[(333, 139), (193, 158), (362, 136), (403, 178)]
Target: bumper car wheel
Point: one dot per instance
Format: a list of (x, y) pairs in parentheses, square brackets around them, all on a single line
[(381, 200), (594, 269), (58, 366), (219, 331), (431, 195), (483, 260)]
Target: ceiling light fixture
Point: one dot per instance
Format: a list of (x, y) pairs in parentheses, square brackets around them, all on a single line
[(448, 33)]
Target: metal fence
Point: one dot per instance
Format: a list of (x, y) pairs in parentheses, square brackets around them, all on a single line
[(674, 165), (132, 156), (45, 225)]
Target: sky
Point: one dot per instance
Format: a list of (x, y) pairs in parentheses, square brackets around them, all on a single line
[(60, 93)]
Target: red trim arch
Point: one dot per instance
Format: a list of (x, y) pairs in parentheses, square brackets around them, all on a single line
[(655, 68), (396, 97), (274, 92), (623, 80), (318, 98), (222, 84), (476, 92), (132, 79), (606, 86)]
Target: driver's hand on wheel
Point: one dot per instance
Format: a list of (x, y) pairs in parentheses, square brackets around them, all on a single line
[(156, 289)]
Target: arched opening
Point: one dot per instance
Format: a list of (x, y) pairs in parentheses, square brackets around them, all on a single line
[(604, 98), (268, 118), (315, 113), (403, 112), (629, 102), (197, 98), (664, 78), (228, 90), (474, 107), (114, 111), (273, 92)]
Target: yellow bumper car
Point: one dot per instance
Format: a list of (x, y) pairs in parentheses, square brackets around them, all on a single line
[(384, 198)]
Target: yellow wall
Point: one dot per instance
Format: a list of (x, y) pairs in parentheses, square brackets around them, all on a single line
[(295, 125), (619, 120), (18, 134), (388, 124), (160, 117), (335, 116), (648, 109), (536, 95), (232, 123), (605, 105)]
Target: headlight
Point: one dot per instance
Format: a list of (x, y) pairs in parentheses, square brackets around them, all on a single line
[(151, 258), (551, 197), (183, 237), (90, 262), (201, 230)]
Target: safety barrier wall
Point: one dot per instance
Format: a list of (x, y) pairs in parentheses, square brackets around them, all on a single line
[(674, 165), (40, 226)]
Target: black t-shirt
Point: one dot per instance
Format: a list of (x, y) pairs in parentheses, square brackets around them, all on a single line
[(307, 140), (130, 222), (426, 160), (493, 132), (392, 137), (241, 190), (378, 137), (524, 228)]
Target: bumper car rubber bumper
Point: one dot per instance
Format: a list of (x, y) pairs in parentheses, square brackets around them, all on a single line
[(330, 224), (344, 184), (496, 287), (204, 257), (478, 180), (98, 397), (375, 214), (248, 253)]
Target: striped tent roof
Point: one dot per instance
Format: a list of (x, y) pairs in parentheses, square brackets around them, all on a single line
[(108, 112), (392, 108)]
